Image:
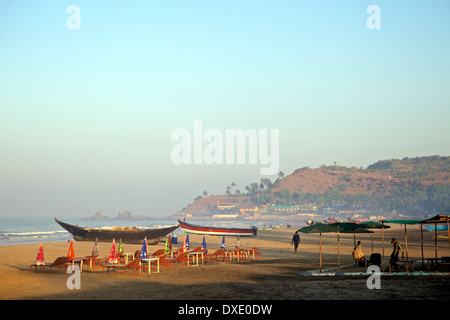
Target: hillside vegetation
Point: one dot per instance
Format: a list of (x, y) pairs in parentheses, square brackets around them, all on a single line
[(414, 186)]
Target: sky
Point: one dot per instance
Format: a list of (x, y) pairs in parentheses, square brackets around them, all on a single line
[(89, 101)]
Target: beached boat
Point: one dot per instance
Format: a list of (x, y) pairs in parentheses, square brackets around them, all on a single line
[(128, 235), (310, 222), (432, 227), (216, 231)]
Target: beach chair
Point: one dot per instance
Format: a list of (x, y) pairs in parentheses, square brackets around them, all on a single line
[(254, 252), (89, 262), (181, 258), (158, 253), (218, 254), (375, 259), (237, 254), (59, 263), (134, 264)]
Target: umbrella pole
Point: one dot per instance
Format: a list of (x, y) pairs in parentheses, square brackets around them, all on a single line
[(339, 251), (320, 251), (406, 245), (435, 240), (421, 244), (448, 234), (371, 238), (382, 233)]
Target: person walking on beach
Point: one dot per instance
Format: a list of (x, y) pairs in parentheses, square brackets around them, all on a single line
[(295, 241), (397, 247)]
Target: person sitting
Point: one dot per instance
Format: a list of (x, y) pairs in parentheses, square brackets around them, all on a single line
[(358, 255)]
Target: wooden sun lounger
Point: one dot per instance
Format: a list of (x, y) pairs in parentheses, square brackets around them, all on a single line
[(59, 263), (218, 254), (237, 254), (254, 252), (135, 264), (181, 258)]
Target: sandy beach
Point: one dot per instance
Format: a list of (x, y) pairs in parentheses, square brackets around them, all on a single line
[(276, 276)]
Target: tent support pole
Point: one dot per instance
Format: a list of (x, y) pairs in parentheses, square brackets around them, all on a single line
[(339, 253), (421, 243), (406, 246), (448, 233), (435, 240), (382, 233), (320, 251)]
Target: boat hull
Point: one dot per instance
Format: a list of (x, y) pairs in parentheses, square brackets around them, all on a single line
[(432, 227), (216, 231), (131, 236)]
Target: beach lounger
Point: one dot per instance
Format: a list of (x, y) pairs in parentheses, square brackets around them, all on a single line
[(254, 253), (59, 263), (237, 254), (135, 264), (158, 253), (219, 254), (181, 258)]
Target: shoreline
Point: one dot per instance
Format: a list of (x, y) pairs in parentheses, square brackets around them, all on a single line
[(276, 276)]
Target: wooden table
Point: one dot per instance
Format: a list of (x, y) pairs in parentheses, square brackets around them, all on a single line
[(81, 261), (196, 258), (127, 256), (406, 262), (433, 261), (150, 260)]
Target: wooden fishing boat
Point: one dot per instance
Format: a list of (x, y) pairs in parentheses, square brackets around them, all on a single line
[(128, 235), (217, 231)]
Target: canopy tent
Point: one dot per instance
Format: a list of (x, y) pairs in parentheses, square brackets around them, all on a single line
[(440, 218), (405, 222), (348, 227), (340, 227), (436, 219), (373, 225)]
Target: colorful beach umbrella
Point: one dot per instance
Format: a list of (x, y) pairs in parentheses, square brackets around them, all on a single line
[(187, 242), (40, 256), (223, 243), (71, 254), (204, 245), (144, 249), (167, 247), (120, 246), (238, 243), (95, 250), (113, 255), (184, 248), (170, 242)]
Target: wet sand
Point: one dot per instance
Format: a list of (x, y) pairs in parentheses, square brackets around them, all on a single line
[(276, 276)]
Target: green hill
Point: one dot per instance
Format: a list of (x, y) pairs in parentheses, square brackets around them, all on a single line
[(413, 186)]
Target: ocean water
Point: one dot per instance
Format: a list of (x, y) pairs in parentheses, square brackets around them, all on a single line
[(17, 231), (34, 230)]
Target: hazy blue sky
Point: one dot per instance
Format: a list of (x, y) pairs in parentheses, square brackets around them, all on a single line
[(86, 115)]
